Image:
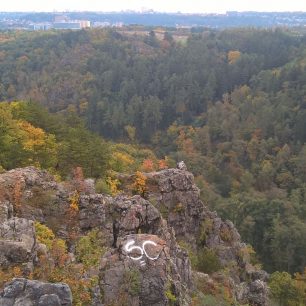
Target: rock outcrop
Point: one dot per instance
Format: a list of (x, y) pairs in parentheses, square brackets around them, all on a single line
[(162, 263), (116, 218), (143, 270), (23, 292), (174, 193), (17, 242), (145, 264)]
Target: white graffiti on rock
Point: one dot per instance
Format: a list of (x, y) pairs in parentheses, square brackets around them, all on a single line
[(130, 247)]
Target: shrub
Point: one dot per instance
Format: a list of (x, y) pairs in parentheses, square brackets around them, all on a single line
[(44, 234), (108, 186), (208, 300), (205, 230), (207, 261), (170, 294), (58, 252), (132, 281), (41, 198), (225, 234), (90, 248), (7, 275), (59, 270), (113, 185), (75, 278), (17, 194), (74, 202), (101, 186), (192, 256), (139, 185)]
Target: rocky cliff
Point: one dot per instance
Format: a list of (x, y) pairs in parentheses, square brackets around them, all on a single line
[(149, 240)]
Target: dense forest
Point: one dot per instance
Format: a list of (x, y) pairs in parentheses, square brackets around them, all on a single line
[(231, 104), (115, 80)]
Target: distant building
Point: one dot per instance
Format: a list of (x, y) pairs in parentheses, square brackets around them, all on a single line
[(85, 24), (71, 25), (42, 26), (101, 24), (62, 22), (67, 25)]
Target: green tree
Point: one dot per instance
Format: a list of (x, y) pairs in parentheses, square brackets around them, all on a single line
[(284, 290)]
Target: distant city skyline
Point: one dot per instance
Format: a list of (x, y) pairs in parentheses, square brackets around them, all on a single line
[(186, 6)]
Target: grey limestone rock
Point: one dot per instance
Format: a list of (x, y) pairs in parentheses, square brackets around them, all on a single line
[(141, 271), (171, 212), (174, 193), (6, 211), (23, 292), (17, 242)]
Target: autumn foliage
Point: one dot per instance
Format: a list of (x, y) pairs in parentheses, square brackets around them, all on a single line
[(147, 165), (72, 215), (139, 184), (78, 179), (150, 165)]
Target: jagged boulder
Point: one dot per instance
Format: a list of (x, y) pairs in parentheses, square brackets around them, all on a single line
[(23, 292), (143, 271), (93, 211), (28, 178), (119, 216), (27, 190), (177, 197), (17, 242)]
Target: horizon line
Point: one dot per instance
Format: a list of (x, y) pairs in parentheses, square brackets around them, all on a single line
[(151, 11)]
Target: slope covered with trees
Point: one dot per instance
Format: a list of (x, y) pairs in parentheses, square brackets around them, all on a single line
[(31, 136), (117, 79), (249, 153), (231, 104)]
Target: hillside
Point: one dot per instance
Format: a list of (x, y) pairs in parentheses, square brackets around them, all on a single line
[(112, 105), (115, 80)]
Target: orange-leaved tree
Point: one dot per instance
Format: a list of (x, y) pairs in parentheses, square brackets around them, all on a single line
[(139, 185)]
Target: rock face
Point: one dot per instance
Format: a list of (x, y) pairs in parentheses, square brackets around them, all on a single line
[(143, 272), (140, 268), (23, 292), (177, 198), (117, 218), (26, 195), (174, 194), (17, 242), (144, 264), (6, 211), (120, 216)]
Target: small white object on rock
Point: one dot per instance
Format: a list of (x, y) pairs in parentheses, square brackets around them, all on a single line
[(181, 166)]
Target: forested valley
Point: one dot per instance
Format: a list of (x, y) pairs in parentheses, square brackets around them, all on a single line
[(231, 104)]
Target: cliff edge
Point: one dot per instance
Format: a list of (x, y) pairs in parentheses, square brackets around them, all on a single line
[(158, 247)]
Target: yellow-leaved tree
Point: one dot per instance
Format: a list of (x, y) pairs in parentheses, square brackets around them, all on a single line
[(40, 147), (23, 144), (233, 56)]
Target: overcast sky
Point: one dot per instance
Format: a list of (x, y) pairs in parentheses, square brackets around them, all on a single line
[(188, 6)]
